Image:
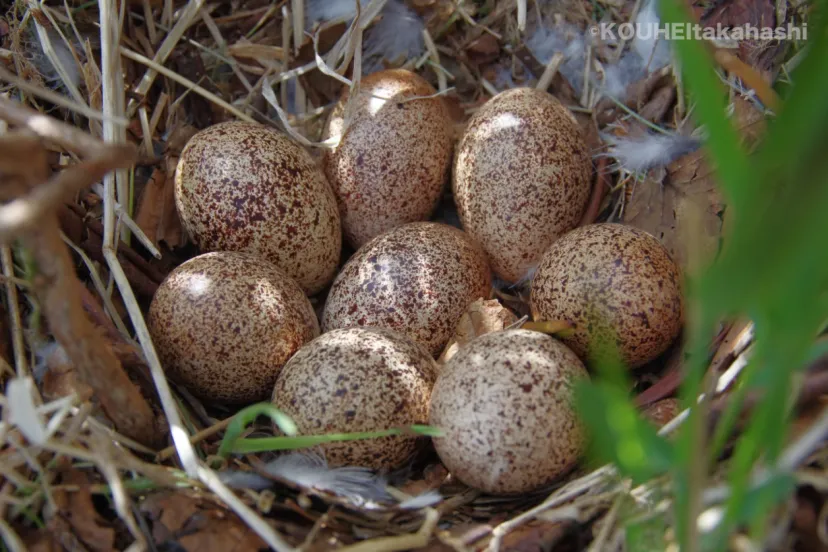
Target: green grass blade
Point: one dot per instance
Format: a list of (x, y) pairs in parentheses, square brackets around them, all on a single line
[(248, 415)]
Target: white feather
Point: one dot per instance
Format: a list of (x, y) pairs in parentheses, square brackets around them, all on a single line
[(396, 36), (635, 64), (329, 10), (428, 498), (568, 40), (620, 75), (647, 42), (311, 471), (640, 154)]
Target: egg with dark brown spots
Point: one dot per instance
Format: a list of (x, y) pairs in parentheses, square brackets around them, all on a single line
[(617, 285), (392, 162), (521, 178), (225, 323), (359, 380), (246, 187), (505, 405), (416, 279)]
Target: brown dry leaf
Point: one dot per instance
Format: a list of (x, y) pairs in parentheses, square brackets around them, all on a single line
[(433, 476), (60, 378), (157, 215), (738, 13), (682, 207), (540, 535), (77, 509), (196, 524), (662, 411), (41, 540), (481, 317), (749, 121)]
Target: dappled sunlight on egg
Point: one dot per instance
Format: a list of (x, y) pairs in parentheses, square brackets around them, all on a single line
[(247, 187), (521, 178), (392, 164), (416, 279), (225, 323)]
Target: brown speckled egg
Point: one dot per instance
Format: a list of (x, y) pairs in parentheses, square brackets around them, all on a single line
[(355, 380), (521, 178), (393, 162), (505, 403), (416, 279), (611, 279), (225, 323), (246, 187)]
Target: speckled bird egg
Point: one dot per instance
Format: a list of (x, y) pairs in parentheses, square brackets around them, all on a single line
[(392, 163), (521, 178), (505, 403), (416, 279), (356, 380), (611, 279), (246, 187), (225, 323)]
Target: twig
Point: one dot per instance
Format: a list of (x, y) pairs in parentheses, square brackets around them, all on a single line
[(598, 190), (190, 85), (196, 438), (54, 97), (521, 15), (10, 538), (549, 72), (564, 494), (164, 50), (419, 539), (59, 293), (20, 364), (99, 286), (750, 77)]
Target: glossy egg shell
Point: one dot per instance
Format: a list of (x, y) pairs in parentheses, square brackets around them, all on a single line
[(393, 162), (521, 178), (357, 380), (416, 279), (245, 187), (505, 403), (611, 280), (225, 323)]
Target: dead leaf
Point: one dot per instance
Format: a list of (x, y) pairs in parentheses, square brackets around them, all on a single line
[(197, 524), (739, 13), (481, 317), (41, 540), (60, 378), (157, 215), (662, 411), (433, 476), (682, 207), (483, 49), (749, 121), (656, 108), (77, 508), (539, 535)]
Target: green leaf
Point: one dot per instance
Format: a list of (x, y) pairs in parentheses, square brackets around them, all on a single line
[(619, 434), (710, 99), (647, 535), (248, 415), (268, 444)]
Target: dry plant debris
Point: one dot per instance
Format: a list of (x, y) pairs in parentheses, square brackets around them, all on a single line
[(99, 452)]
